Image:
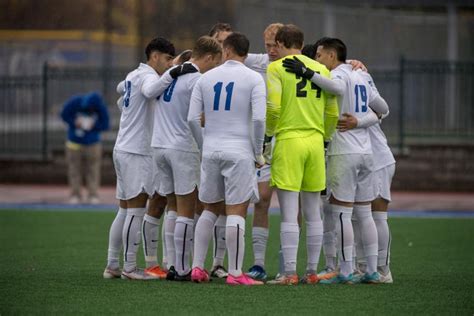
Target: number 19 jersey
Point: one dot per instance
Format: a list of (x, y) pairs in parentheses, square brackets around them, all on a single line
[(355, 100)]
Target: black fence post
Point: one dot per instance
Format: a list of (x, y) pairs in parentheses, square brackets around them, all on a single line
[(401, 114), (44, 145)]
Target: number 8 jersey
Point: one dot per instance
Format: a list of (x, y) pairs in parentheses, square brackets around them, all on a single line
[(354, 100)]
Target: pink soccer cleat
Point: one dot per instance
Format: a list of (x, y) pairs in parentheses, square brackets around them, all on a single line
[(242, 279), (199, 275)]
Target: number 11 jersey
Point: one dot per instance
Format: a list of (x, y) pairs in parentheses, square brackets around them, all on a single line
[(231, 96)]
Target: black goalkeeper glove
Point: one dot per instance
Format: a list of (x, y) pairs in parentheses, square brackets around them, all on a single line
[(297, 67), (267, 142), (183, 69)]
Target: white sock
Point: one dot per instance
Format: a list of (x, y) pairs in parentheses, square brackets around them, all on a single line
[(358, 253), (259, 244), (281, 261), (150, 229), (196, 219), (170, 222), (314, 241), (183, 239), (345, 237), (329, 236), (289, 235), (383, 232), (115, 239), (235, 241), (219, 241), (164, 261), (368, 233), (131, 236), (311, 209), (289, 229), (202, 235)]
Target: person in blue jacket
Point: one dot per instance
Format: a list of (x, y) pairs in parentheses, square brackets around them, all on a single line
[(86, 117)]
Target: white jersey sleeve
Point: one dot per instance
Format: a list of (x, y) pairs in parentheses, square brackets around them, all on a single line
[(171, 129), (136, 120), (153, 88), (258, 101)]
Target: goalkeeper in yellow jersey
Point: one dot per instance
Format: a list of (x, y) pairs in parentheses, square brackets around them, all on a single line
[(300, 116)]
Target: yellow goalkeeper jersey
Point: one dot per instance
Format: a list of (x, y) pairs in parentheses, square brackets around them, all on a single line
[(296, 107)]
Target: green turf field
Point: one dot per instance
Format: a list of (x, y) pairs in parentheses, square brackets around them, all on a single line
[(52, 262)]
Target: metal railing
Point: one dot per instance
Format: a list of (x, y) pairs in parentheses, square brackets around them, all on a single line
[(430, 102)]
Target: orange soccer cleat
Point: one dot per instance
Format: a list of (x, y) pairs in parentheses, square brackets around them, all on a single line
[(156, 272)]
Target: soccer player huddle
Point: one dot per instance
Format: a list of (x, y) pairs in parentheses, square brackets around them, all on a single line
[(204, 134)]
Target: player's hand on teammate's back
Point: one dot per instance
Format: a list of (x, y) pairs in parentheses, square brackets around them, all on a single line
[(357, 64), (267, 149), (183, 69), (297, 67), (347, 122)]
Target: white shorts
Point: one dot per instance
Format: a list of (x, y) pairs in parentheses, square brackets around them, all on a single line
[(263, 173), (134, 174), (228, 176), (178, 171), (383, 181), (350, 177)]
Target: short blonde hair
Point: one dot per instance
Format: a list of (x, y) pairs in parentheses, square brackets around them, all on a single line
[(272, 29), (206, 45)]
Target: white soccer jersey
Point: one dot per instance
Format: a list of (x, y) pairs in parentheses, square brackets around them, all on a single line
[(355, 100), (231, 97), (258, 63), (171, 129), (136, 120), (382, 155)]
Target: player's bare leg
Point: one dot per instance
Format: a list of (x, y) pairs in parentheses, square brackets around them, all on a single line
[(150, 234)]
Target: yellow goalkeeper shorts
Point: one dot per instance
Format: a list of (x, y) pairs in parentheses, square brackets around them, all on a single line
[(298, 164)]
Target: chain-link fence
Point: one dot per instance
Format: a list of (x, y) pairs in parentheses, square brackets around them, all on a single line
[(430, 102)]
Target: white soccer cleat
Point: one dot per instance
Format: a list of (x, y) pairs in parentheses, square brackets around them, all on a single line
[(111, 273), (137, 274), (219, 272), (385, 278)]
